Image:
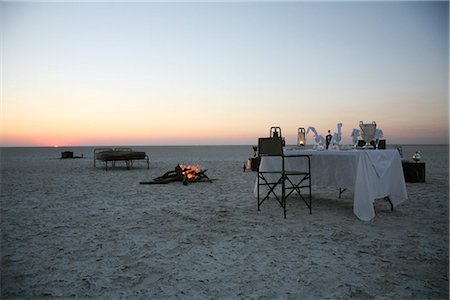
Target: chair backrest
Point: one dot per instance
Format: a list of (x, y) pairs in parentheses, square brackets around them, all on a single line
[(270, 146)]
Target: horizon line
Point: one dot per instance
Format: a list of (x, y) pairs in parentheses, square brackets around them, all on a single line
[(191, 145)]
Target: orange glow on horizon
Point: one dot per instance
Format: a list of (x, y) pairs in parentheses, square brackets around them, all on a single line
[(126, 133)]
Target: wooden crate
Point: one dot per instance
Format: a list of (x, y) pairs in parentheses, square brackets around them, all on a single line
[(414, 171), (67, 154)]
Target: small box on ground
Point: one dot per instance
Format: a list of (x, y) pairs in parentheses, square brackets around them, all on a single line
[(414, 171), (67, 154)]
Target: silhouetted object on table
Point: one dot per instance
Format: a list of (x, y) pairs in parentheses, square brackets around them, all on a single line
[(275, 131), (328, 138)]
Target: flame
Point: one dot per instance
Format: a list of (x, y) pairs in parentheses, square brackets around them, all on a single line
[(190, 171)]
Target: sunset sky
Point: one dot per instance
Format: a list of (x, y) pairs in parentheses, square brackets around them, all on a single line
[(115, 73)]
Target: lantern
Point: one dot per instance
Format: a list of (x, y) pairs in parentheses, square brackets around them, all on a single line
[(275, 131), (301, 137)]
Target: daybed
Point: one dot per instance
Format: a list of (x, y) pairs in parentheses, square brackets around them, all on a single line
[(119, 154)]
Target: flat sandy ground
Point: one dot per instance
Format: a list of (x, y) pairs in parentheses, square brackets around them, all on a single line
[(69, 230)]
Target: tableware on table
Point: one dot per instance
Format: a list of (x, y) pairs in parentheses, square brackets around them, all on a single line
[(378, 135), (328, 139), (255, 149), (320, 143), (355, 134), (316, 136), (417, 156), (368, 133), (338, 135)]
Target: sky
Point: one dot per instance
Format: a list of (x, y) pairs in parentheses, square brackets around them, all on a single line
[(212, 73)]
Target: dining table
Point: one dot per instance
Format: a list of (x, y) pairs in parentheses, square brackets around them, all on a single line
[(369, 174)]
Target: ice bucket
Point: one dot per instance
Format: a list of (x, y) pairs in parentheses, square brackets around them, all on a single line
[(368, 133)]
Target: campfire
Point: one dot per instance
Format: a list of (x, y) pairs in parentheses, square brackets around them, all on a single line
[(190, 172), (183, 173)]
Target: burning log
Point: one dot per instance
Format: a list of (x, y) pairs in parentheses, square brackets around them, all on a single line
[(181, 173)]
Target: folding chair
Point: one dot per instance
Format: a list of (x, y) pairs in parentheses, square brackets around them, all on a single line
[(290, 180)]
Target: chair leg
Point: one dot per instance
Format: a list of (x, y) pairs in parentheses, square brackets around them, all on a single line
[(297, 186), (283, 195), (390, 202), (257, 189), (310, 196), (281, 200)]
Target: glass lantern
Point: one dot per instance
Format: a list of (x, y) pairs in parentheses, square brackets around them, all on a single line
[(301, 137), (275, 131)]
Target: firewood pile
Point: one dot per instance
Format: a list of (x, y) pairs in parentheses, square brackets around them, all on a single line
[(182, 173)]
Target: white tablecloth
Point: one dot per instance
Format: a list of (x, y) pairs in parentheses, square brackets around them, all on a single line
[(370, 174)]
